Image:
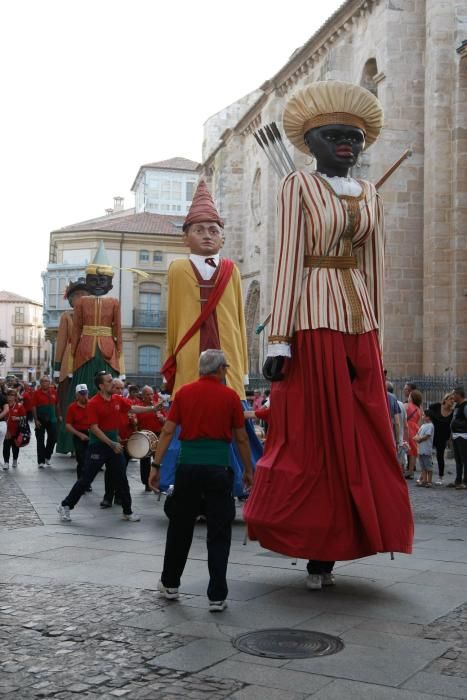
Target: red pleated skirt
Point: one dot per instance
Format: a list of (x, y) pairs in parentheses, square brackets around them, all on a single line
[(329, 486)]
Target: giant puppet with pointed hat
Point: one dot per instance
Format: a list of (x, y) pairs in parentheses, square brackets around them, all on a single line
[(96, 338), (205, 311)]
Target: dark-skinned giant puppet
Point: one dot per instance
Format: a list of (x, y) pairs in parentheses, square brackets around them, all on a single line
[(205, 311), (329, 486), (63, 368), (96, 339)]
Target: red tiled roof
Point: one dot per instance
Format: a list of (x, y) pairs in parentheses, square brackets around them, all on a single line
[(132, 223), (11, 296), (174, 164)]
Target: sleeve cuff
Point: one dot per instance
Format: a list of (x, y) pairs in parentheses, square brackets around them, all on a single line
[(276, 349), (246, 379)]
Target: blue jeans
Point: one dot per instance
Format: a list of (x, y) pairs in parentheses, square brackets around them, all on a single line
[(97, 455)]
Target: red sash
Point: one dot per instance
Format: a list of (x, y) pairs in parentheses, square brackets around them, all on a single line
[(169, 367)]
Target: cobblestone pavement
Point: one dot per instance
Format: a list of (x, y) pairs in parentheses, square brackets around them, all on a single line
[(451, 628), (16, 508), (439, 505), (64, 641)]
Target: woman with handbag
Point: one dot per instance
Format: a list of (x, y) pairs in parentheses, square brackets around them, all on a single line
[(16, 413)]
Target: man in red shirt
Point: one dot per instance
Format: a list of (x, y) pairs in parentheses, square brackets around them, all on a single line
[(104, 411), (46, 413), (209, 414), (153, 422), (77, 423)]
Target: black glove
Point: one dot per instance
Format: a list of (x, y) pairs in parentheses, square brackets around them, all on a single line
[(272, 368)]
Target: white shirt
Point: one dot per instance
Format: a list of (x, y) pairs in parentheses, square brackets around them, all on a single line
[(199, 261)]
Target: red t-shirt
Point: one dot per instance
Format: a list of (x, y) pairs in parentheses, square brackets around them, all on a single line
[(149, 421), (107, 413), (77, 416), (27, 399), (206, 409), (16, 411), (45, 398)]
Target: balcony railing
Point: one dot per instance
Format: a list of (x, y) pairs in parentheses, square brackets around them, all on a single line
[(149, 319)]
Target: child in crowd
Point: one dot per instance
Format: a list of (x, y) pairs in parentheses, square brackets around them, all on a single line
[(424, 439)]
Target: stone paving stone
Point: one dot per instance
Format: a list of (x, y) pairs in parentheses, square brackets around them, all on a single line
[(350, 690), (256, 674), (256, 692), (446, 686), (17, 510), (196, 655)]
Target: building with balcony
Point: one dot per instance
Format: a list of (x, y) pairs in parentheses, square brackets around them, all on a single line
[(140, 245), (28, 352), (165, 187)]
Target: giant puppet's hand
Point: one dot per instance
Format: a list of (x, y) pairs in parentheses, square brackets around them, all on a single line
[(272, 368)]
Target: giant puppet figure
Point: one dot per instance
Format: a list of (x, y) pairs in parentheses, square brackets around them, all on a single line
[(205, 311), (96, 340), (63, 367), (329, 486)]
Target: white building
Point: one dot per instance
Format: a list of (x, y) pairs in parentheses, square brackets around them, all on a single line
[(165, 187), (28, 352)]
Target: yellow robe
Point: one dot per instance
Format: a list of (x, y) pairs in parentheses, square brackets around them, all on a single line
[(184, 307)]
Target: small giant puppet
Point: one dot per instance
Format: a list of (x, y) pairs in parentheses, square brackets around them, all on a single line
[(205, 311), (329, 485), (63, 367), (96, 340)]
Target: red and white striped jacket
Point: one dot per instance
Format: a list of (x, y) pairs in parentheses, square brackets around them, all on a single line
[(315, 221)]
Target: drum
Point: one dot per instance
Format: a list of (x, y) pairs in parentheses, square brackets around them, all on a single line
[(141, 444)]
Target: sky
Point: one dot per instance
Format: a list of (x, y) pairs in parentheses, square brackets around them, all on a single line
[(92, 89)]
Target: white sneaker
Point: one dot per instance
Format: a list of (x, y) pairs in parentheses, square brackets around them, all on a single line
[(217, 605), (14, 464), (314, 582), (41, 466), (328, 580), (6, 467), (64, 513), (169, 593), (47, 463), (132, 517), (440, 482)]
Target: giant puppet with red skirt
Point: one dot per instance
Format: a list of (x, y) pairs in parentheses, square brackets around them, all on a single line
[(205, 311), (329, 486)]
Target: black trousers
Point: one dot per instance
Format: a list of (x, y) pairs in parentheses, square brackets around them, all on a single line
[(96, 456), (315, 566), (440, 450), (460, 455), (7, 444), (110, 482), (45, 451), (80, 452), (213, 485), (144, 469)]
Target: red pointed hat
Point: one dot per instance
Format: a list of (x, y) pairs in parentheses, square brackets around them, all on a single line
[(202, 208)]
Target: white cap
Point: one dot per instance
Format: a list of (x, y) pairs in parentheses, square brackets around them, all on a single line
[(81, 387)]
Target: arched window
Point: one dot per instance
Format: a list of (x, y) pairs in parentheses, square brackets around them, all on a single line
[(149, 359), (370, 69), (144, 256)]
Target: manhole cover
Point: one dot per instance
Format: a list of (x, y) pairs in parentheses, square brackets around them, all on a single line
[(288, 643)]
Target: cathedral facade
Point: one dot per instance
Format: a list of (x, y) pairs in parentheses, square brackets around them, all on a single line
[(412, 54)]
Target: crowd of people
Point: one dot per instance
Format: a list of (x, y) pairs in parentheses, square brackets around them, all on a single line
[(422, 434)]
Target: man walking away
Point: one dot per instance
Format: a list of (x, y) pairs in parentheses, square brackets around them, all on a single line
[(208, 413)]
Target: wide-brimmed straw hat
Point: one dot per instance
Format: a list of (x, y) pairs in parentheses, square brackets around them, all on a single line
[(332, 102)]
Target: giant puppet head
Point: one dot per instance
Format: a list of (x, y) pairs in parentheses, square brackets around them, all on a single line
[(334, 121), (99, 273), (203, 227)]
